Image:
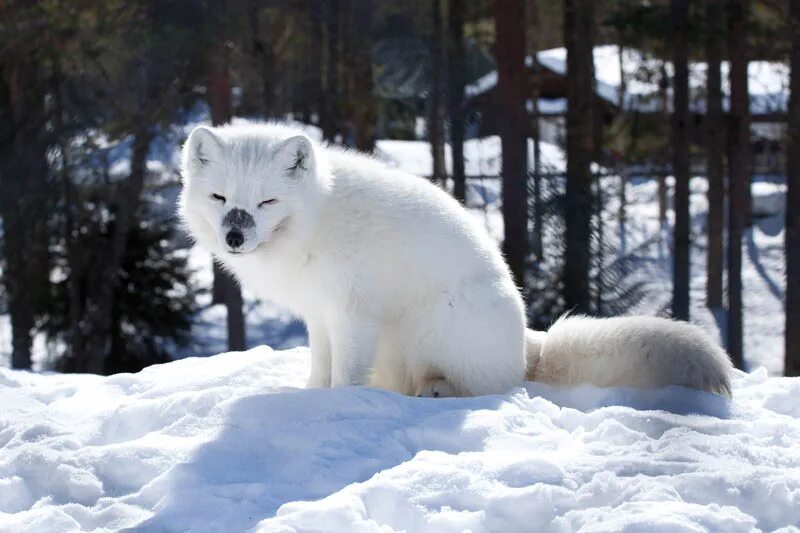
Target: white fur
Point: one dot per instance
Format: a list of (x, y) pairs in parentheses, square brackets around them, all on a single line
[(398, 287), (640, 352)]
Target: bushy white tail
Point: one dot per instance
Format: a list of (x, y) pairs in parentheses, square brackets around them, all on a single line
[(639, 352)]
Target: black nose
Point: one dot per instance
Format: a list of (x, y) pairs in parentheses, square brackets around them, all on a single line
[(234, 238)]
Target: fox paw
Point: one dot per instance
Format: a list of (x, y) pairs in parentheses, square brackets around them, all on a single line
[(435, 388)]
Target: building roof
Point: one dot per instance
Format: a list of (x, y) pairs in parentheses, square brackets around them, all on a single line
[(768, 80)]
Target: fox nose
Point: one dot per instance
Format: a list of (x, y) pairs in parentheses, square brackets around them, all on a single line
[(234, 238)]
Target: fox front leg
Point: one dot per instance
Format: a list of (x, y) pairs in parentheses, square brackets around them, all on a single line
[(319, 340), (353, 344)]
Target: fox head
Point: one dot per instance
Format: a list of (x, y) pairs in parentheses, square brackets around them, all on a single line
[(244, 188)]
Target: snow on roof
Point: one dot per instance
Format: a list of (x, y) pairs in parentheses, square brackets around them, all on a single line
[(768, 80), (481, 85), (556, 60), (235, 443)]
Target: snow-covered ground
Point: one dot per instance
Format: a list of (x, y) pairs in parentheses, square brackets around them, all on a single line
[(234, 443)]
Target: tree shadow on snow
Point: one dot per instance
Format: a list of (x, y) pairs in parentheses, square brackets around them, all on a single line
[(767, 226)]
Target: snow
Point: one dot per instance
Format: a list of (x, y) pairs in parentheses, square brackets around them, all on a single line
[(482, 84), (234, 443), (768, 80), (482, 157), (555, 59)]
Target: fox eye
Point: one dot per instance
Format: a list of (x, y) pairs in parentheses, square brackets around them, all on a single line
[(268, 202), (219, 198)]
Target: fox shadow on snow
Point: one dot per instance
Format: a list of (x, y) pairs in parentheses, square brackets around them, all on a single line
[(298, 444)]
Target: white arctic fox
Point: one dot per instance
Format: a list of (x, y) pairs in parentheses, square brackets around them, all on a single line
[(398, 286)]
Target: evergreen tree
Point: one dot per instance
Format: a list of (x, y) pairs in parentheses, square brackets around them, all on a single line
[(154, 300)]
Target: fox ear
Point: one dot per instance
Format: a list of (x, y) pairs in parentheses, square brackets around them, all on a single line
[(201, 149), (296, 154)]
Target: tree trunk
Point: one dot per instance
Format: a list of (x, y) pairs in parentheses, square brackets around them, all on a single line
[(739, 173), (538, 225), (623, 170), (347, 97), (792, 354), (100, 303), (71, 231), (315, 69), (23, 202), (509, 19), (715, 148), (266, 59), (225, 287), (437, 96), (70, 206), (537, 243), (457, 77), (218, 283), (20, 204), (663, 88), (578, 205), (365, 111), (679, 13), (330, 113), (237, 340), (599, 259), (219, 101), (219, 88)]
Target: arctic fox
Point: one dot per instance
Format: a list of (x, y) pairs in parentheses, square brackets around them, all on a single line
[(398, 286)]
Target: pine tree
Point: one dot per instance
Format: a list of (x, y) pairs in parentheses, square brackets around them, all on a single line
[(154, 300)]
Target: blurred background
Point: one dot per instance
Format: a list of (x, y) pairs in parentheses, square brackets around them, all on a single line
[(629, 156)]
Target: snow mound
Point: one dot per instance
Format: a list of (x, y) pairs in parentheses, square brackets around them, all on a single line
[(234, 443)]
